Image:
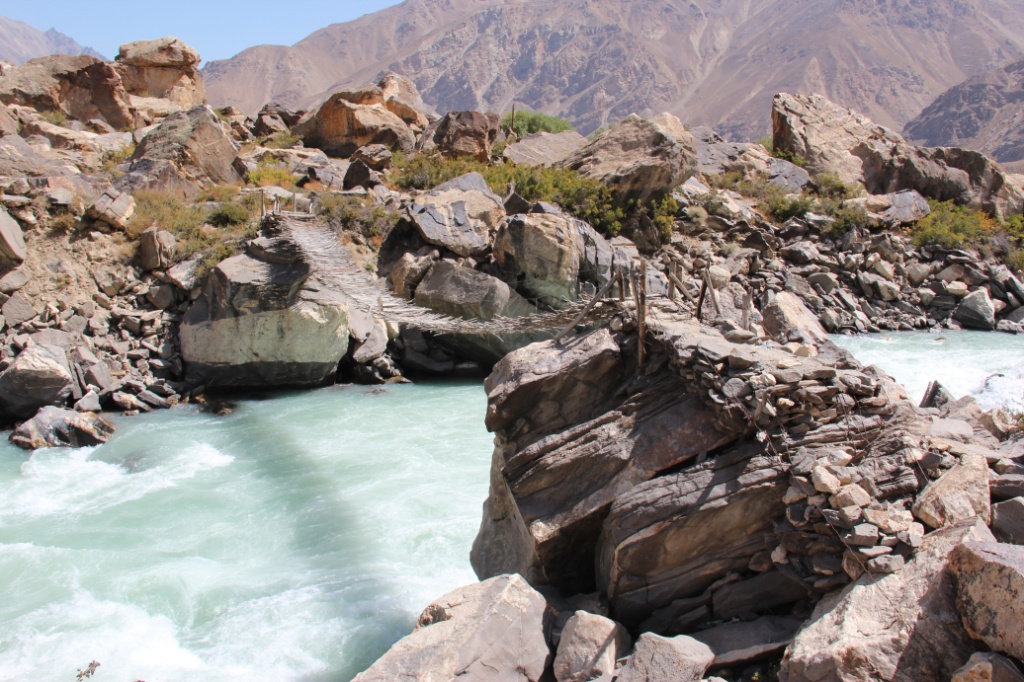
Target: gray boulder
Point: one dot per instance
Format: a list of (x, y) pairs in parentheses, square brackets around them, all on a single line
[(494, 630), (39, 376), (976, 311), (990, 593), (54, 427), (466, 133), (461, 215), (890, 628), (959, 494), (353, 119), (113, 207), (544, 252), (1008, 521), (667, 659), (156, 249), (263, 323), (739, 643), (639, 158)]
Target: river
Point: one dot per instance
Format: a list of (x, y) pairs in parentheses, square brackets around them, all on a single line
[(296, 538)]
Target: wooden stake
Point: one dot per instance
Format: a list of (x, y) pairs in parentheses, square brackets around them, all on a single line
[(641, 314), (711, 290), (586, 310), (700, 299)]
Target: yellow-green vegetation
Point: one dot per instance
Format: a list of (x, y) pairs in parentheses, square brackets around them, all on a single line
[(358, 214), (826, 195), (952, 226), (529, 122), (110, 160), (193, 227), (282, 140), (663, 213), (268, 174), (56, 117), (166, 210), (584, 198), (220, 193)]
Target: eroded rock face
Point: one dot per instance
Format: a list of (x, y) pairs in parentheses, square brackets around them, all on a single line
[(260, 323), (589, 647), (496, 629), (544, 149), (403, 99), (836, 140), (890, 628), (639, 158), (12, 240), (665, 659), (187, 150), (350, 120), (990, 593)]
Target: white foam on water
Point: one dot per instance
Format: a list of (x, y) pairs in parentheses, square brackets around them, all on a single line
[(986, 365), (72, 482), (295, 539)]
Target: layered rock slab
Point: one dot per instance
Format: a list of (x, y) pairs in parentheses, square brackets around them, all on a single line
[(990, 593)]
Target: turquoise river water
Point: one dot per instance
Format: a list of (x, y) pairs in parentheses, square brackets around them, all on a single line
[(296, 538)]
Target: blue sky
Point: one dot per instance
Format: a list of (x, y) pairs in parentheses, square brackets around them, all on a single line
[(217, 29)]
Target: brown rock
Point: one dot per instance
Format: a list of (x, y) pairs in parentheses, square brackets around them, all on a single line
[(544, 149), (990, 593), (589, 646), (403, 99), (12, 240), (496, 629), (54, 427), (156, 249), (113, 207), (467, 133), (545, 251), (340, 126), (988, 667), (889, 628), (787, 319), (959, 494), (664, 659), (164, 69), (39, 376)]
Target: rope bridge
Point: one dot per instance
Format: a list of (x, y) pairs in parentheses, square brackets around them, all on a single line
[(333, 266)]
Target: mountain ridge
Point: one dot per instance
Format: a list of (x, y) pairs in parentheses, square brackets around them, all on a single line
[(712, 62)]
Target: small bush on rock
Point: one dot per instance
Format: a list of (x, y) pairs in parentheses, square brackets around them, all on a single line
[(529, 122), (281, 141), (229, 213), (269, 175), (952, 226), (165, 210)]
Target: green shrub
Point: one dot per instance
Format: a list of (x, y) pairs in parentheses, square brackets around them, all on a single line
[(529, 122), (220, 193), (1015, 259), (780, 207), (952, 226), (830, 186), (229, 213), (110, 160), (663, 213), (358, 214), (846, 218), (270, 175), (56, 117)]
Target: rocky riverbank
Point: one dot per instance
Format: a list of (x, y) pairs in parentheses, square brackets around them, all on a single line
[(693, 480)]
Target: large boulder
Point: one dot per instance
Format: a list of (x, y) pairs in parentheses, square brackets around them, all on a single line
[(263, 323), (12, 240), (54, 427), (350, 120), (715, 156), (959, 494), (544, 149), (165, 69), (890, 628), (833, 139), (460, 215), (466, 133), (113, 207), (8, 122), (544, 252), (466, 293), (990, 593), (82, 87), (976, 311), (189, 149), (639, 158), (38, 376), (494, 630), (787, 319)]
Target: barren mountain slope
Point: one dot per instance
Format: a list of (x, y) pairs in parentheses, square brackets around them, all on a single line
[(20, 42), (713, 62), (985, 112)]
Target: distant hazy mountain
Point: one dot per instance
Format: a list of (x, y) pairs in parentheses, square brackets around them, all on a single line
[(20, 42), (985, 112), (713, 62)]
